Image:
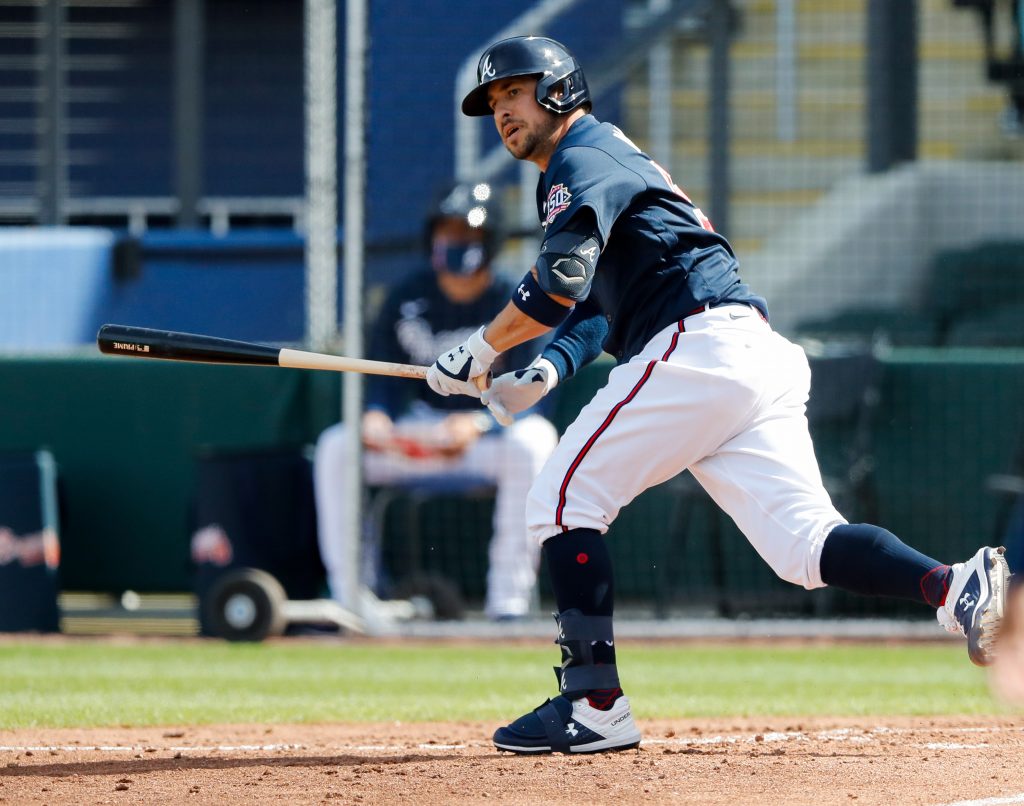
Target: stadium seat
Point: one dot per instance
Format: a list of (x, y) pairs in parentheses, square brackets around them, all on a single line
[(1001, 326), (870, 325), (964, 282)]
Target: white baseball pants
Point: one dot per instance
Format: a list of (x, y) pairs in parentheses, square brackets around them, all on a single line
[(510, 457), (719, 393)]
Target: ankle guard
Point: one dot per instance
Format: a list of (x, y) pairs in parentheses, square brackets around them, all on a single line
[(577, 635)]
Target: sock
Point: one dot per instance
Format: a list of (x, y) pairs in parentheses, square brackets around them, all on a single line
[(869, 560), (580, 569)]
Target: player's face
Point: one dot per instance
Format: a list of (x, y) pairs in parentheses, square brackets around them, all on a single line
[(527, 129)]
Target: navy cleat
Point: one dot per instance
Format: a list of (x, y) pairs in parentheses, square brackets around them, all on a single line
[(976, 602), (562, 725)]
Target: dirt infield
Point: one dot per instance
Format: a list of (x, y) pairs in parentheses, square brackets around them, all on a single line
[(821, 761)]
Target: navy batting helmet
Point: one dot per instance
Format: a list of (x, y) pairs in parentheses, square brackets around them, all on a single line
[(539, 56), (476, 204)]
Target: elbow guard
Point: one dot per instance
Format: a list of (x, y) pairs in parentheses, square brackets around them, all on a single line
[(566, 264)]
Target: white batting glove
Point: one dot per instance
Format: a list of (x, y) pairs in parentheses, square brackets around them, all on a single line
[(515, 392), (454, 370)]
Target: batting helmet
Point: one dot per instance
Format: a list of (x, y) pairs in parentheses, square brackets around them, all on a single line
[(539, 56), (477, 205)]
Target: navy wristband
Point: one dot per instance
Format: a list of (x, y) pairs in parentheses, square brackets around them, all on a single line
[(530, 298)]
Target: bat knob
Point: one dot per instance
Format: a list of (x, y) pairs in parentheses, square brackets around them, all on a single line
[(483, 382)]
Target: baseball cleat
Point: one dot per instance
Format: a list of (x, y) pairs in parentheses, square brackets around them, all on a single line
[(562, 725), (976, 602)]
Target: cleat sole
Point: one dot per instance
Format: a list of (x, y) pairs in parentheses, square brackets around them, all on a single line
[(596, 747), (982, 637)]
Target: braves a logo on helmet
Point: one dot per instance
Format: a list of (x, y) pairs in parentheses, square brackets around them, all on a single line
[(559, 198), (486, 68)]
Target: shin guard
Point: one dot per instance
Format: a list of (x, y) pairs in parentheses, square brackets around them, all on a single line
[(577, 635)]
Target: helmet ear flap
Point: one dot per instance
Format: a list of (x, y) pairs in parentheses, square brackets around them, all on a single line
[(573, 86)]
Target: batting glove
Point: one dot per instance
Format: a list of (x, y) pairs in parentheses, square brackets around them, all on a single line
[(515, 392), (454, 370)]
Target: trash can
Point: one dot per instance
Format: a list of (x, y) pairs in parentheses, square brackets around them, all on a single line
[(29, 542), (255, 509)]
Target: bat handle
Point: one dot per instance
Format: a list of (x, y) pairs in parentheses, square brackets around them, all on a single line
[(483, 381)]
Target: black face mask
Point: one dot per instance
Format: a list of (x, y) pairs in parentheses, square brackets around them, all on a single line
[(457, 258)]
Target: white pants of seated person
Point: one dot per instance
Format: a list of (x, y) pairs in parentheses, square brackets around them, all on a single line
[(719, 393), (510, 457)]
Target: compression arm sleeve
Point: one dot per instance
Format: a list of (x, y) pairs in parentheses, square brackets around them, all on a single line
[(578, 340)]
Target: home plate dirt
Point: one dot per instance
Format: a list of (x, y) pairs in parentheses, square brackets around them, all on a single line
[(871, 760)]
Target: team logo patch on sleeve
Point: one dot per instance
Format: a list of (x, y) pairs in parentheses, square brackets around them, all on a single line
[(558, 200)]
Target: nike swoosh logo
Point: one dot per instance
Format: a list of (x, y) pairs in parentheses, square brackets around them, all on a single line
[(738, 315)]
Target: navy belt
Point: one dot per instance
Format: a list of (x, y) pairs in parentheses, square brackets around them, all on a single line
[(708, 306)]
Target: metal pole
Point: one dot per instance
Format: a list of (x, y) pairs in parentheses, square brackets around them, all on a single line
[(1019, 17), (785, 70), (718, 129), (891, 83), (355, 222), (189, 36), (53, 182), (659, 77), (321, 174)]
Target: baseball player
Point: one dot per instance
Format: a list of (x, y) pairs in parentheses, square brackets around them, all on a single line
[(409, 432), (629, 265)]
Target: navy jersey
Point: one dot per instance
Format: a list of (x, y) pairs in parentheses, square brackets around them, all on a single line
[(417, 323), (660, 258)]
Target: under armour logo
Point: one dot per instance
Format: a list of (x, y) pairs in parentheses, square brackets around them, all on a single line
[(523, 292), (571, 729), (968, 600), (486, 70)]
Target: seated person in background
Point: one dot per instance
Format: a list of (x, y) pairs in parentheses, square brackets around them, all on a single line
[(408, 431)]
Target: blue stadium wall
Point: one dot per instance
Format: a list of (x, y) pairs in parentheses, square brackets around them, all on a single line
[(121, 128)]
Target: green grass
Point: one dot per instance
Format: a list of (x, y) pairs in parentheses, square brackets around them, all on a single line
[(85, 683)]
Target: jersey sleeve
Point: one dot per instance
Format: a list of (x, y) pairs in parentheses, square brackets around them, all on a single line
[(582, 177)]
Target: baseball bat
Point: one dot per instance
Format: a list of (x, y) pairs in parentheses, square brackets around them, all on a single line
[(144, 342)]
